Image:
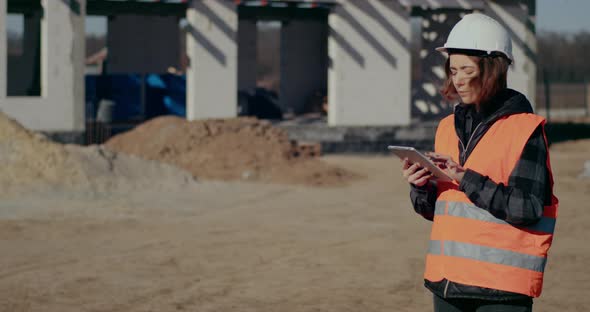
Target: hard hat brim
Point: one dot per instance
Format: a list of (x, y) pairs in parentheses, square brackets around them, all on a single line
[(483, 52)]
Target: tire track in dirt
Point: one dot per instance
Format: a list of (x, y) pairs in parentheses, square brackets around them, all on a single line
[(137, 300), (35, 267), (184, 296)]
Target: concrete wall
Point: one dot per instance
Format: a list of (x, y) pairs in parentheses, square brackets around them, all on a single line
[(368, 50), (369, 76), (427, 102), (143, 44), (518, 17), (304, 50), (212, 49), (61, 104)]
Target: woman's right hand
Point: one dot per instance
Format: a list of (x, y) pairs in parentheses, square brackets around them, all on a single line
[(415, 174)]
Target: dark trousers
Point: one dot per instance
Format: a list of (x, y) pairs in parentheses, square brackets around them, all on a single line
[(476, 305)]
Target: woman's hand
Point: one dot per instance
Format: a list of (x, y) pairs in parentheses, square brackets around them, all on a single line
[(415, 174), (448, 165)]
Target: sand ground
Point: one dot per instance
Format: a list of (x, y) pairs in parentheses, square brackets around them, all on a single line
[(230, 246)]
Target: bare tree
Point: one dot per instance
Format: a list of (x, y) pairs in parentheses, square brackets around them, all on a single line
[(562, 57)]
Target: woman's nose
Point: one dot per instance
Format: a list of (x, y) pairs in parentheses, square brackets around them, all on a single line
[(461, 79)]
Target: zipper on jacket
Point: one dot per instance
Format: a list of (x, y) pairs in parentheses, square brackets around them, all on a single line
[(464, 156), (446, 288)]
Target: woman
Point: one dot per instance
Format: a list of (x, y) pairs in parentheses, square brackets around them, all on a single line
[(492, 226)]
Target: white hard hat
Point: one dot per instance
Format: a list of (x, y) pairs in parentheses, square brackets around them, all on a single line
[(480, 33)]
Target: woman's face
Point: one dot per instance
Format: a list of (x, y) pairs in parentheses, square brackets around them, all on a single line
[(463, 72)]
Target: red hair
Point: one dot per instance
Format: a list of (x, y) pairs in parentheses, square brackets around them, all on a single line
[(493, 72)]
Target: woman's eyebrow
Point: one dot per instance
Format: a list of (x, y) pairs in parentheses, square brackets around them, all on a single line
[(467, 66), (462, 67)]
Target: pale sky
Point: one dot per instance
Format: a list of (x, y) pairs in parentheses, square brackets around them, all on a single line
[(568, 16), (563, 15)]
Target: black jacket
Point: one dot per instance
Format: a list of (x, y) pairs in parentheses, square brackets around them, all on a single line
[(520, 202)]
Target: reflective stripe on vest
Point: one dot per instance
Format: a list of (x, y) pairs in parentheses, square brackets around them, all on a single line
[(470, 211), (487, 254)]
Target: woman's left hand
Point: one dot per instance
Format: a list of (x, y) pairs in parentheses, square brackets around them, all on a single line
[(448, 165)]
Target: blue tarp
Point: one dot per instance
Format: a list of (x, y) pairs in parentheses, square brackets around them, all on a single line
[(162, 95), (166, 94)]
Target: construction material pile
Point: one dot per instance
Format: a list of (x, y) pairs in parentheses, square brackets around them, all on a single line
[(228, 149), (31, 162)]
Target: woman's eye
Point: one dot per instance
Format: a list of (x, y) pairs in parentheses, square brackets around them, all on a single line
[(469, 72)]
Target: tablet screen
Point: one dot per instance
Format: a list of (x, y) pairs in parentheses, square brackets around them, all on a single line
[(414, 156)]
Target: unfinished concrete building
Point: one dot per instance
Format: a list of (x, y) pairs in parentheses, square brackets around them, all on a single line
[(358, 51)]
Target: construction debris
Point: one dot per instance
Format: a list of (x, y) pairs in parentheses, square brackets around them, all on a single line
[(230, 149), (31, 162)]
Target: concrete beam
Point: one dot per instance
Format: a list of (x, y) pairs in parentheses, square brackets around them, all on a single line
[(153, 8), (212, 49), (443, 4)]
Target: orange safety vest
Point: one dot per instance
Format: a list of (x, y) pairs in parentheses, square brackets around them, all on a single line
[(468, 245)]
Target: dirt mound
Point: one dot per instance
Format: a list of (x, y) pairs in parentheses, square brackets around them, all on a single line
[(228, 149), (31, 162), (572, 156), (575, 147)]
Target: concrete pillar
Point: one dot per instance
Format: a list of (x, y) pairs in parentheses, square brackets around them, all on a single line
[(247, 43), (143, 44), (61, 104), (519, 18), (212, 49), (427, 102), (369, 74), (304, 63)]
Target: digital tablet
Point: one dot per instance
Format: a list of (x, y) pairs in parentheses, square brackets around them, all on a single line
[(415, 156)]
